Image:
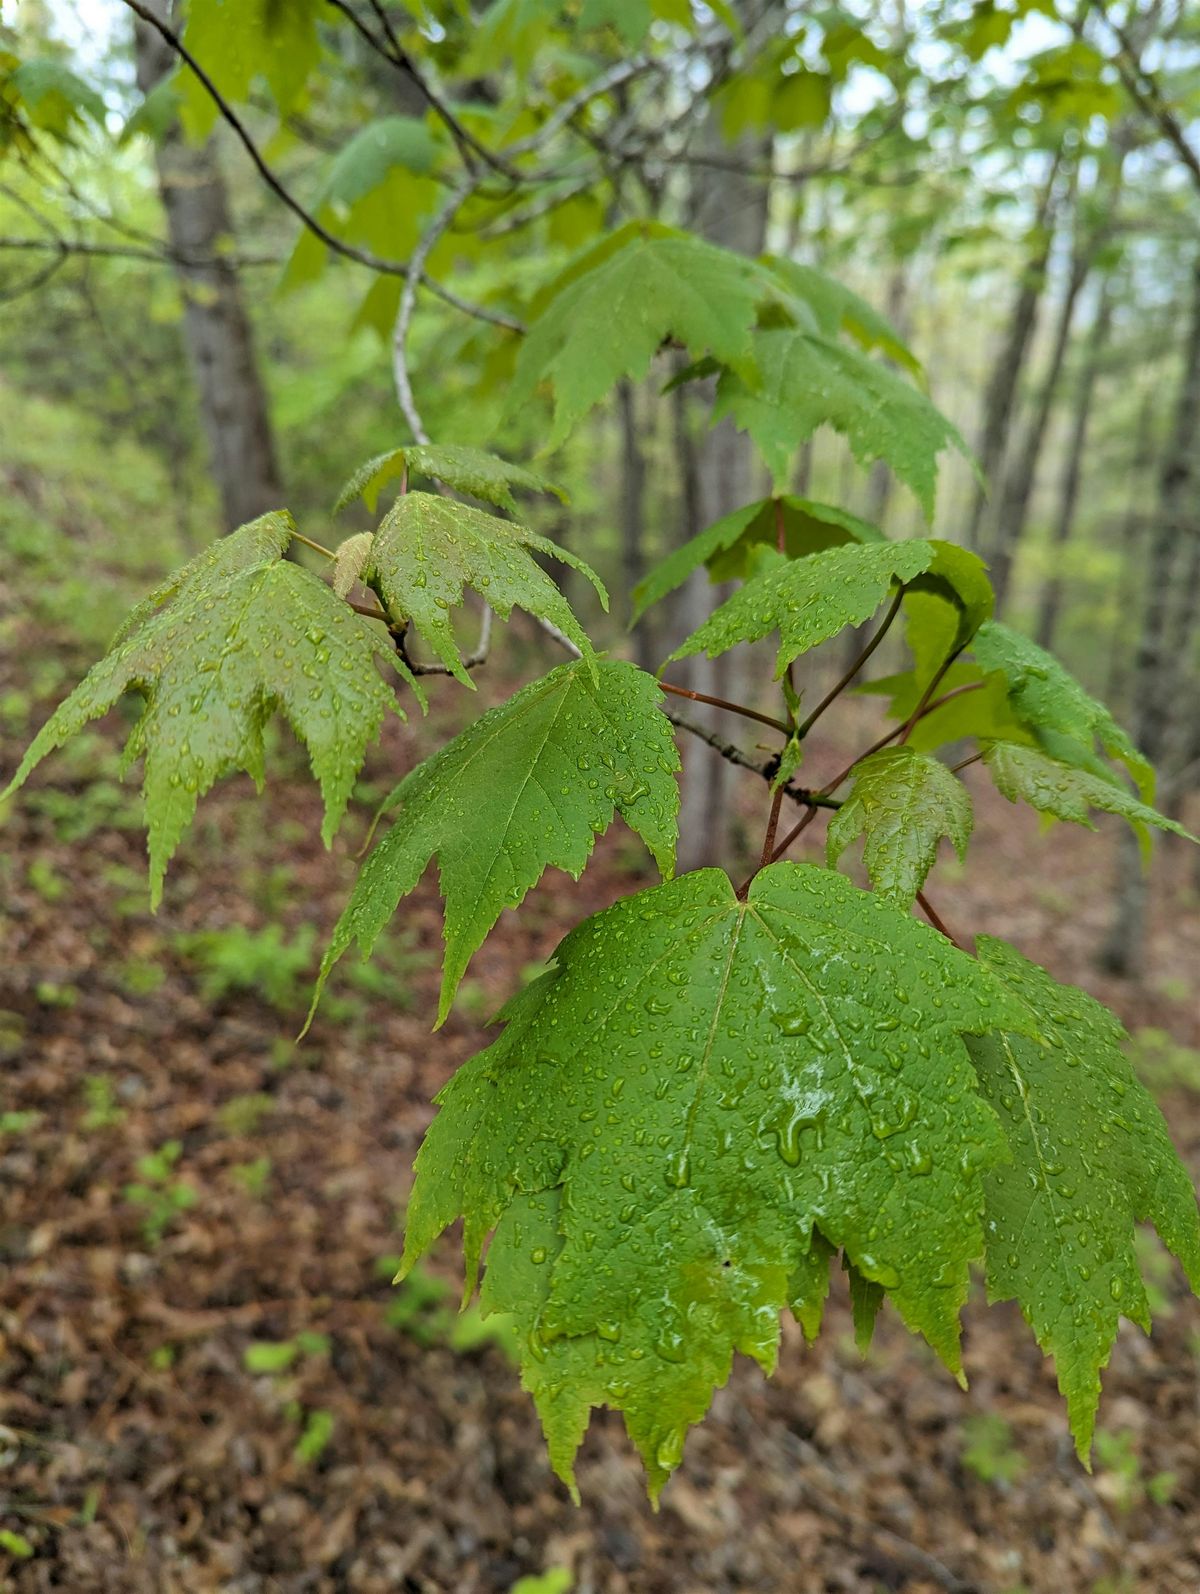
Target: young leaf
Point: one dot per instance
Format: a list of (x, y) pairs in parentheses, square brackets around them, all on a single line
[(810, 600), (236, 635), (1051, 702), (835, 308), (903, 802), (529, 785), (427, 549), (727, 548), (807, 381), (673, 1106), (352, 558), (1090, 1156), (467, 470), (1026, 774), (612, 309)]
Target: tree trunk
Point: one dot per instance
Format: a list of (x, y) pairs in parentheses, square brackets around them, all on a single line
[(217, 333), (1157, 669), (1072, 471), (1006, 372), (729, 209), (633, 517), (1019, 479)]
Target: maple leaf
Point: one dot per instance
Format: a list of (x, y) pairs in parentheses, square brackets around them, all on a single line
[(1090, 1156), (810, 600), (834, 308), (805, 380), (215, 650), (729, 546), (903, 802), (1026, 774), (1050, 701), (466, 470), (696, 1085), (428, 549), (611, 310), (528, 785)]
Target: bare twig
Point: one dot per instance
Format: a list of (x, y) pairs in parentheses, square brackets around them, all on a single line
[(1144, 90), (64, 246), (363, 257)]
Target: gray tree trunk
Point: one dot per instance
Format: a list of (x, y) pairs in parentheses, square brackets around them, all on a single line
[(1006, 373), (730, 209), (1072, 471), (1157, 670), (633, 518), (1013, 507), (217, 332)]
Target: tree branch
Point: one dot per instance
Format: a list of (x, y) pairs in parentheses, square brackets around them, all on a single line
[(363, 257)]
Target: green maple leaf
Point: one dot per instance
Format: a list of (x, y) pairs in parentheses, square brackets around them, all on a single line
[(903, 802), (1090, 1155), (866, 1301), (810, 600), (1050, 701), (696, 1086), (215, 650), (612, 309), (428, 549), (729, 546), (529, 785), (466, 470), (1026, 774), (834, 308), (806, 380)]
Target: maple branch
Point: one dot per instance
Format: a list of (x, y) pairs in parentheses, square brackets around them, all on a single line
[(836, 691), (408, 301), (733, 708), (61, 245), (740, 760)]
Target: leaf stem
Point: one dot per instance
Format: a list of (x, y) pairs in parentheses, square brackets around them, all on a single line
[(316, 547), (963, 763), (938, 924), (886, 741), (733, 708), (923, 701), (768, 846), (797, 829), (836, 691)]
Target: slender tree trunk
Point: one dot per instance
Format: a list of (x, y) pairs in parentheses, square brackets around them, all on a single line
[(729, 209), (633, 515), (1139, 474), (1072, 471), (220, 344), (1019, 479), (1157, 668), (1006, 372)]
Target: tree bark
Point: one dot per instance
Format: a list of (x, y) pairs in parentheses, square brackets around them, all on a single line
[(729, 209), (217, 332), (1157, 670), (1072, 471), (1021, 475), (633, 517), (1010, 362)]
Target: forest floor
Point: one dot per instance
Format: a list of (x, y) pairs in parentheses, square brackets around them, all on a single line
[(208, 1383)]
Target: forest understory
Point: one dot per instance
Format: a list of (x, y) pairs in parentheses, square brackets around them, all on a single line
[(209, 1383)]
